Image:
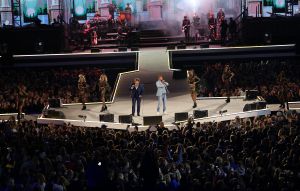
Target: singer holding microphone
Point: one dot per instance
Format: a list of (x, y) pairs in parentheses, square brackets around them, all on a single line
[(162, 90), (137, 91)]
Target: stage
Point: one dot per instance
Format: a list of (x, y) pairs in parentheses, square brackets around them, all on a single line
[(176, 104), (149, 64)]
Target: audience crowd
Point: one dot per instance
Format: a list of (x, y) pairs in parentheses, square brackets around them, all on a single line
[(276, 80), (244, 154), (42, 84)]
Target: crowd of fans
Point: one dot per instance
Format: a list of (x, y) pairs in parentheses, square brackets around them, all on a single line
[(276, 80), (44, 83), (245, 154)]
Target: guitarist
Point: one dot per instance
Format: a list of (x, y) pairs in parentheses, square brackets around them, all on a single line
[(186, 25)]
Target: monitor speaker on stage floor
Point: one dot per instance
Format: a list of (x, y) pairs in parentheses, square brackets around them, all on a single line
[(122, 49), (106, 117), (171, 47), (54, 103), (261, 105), (183, 116), (135, 49), (200, 114), (205, 45), (251, 94), (152, 120), (51, 113), (255, 106), (181, 46), (95, 50), (249, 107), (125, 119)]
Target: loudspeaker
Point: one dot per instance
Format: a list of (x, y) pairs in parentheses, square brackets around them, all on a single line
[(106, 117), (251, 94), (183, 116), (152, 120), (125, 119), (171, 47), (249, 107), (181, 46), (135, 49), (206, 45), (54, 103), (122, 49), (200, 114), (261, 105), (51, 113), (95, 50)]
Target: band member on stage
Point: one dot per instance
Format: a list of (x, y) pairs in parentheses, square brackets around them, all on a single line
[(193, 79), (128, 12), (162, 90), (212, 26), (82, 85), (220, 16), (22, 94), (111, 10), (186, 26), (103, 87), (226, 78), (137, 90)]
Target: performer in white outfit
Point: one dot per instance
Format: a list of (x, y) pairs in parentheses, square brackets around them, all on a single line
[(161, 93)]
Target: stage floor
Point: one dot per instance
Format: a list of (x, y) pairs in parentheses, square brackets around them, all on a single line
[(175, 104)]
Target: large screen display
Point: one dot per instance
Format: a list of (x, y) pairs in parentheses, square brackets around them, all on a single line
[(33, 8), (279, 6)]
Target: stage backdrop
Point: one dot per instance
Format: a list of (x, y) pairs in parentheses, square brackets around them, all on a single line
[(33, 8)]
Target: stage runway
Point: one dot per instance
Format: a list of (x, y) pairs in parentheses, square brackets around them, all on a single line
[(175, 104), (152, 63)]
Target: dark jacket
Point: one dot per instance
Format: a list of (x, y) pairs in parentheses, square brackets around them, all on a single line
[(135, 93)]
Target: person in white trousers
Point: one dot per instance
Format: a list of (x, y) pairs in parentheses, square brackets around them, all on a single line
[(162, 90)]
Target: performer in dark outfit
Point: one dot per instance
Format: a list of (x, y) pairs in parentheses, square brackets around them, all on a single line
[(186, 26), (103, 87), (212, 26), (193, 79), (226, 78), (82, 90), (111, 10), (137, 91), (22, 94)]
